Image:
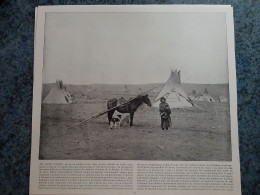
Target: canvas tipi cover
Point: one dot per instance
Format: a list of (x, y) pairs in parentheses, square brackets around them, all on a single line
[(199, 98), (57, 96), (222, 99), (203, 98), (173, 92), (208, 97)]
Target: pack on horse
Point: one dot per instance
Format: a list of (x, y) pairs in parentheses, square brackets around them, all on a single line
[(129, 107)]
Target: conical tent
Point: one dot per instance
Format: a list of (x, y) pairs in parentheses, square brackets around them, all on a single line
[(199, 98), (203, 98), (208, 97), (222, 99), (173, 92), (58, 95)]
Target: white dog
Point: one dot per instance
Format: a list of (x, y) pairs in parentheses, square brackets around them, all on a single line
[(115, 122)]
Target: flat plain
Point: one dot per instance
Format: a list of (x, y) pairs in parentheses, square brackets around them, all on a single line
[(194, 136)]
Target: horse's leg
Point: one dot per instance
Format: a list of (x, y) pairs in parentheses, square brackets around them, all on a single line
[(131, 118), (110, 115), (110, 104)]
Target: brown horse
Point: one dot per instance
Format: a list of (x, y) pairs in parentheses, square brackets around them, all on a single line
[(129, 107)]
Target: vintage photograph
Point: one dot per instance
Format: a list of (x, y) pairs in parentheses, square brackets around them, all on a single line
[(135, 86)]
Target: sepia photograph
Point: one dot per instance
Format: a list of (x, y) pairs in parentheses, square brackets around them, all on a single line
[(135, 86)]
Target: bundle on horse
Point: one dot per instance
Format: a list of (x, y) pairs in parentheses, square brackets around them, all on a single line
[(129, 107)]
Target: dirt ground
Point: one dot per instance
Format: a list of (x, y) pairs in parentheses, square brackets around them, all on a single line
[(195, 136)]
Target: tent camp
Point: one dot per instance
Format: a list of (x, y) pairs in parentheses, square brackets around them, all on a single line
[(173, 92), (202, 98), (222, 99), (58, 95)]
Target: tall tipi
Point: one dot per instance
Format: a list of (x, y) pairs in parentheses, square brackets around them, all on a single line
[(58, 95), (222, 98), (173, 92)]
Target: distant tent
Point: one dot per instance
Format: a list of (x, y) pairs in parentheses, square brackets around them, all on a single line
[(192, 97), (194, 92), (198, 97), (125, 92), (140, 91), (155, 91), (208, 97), (203, 98), (90, 93), (222, 99), (173, 92), (58, 95)]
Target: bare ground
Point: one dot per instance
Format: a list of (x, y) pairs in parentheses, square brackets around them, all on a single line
[(195, 136)]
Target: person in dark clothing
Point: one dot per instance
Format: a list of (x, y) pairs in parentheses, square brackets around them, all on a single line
[(165, 112)]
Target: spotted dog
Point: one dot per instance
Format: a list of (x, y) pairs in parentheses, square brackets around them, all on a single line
[(115, 122)]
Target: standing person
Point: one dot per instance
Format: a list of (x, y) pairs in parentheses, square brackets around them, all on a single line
[(165, 113)]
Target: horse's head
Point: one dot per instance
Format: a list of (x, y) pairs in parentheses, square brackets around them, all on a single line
[(146, 100)]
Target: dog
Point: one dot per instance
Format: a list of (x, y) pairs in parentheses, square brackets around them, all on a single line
[(115, 122)]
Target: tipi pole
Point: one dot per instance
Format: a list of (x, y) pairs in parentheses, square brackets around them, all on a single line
[(191, 102), (104, 112), (99, 114), (144, 109), (195, 97), (146, 92)]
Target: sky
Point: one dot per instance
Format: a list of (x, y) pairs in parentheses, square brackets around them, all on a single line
[(135, 48)]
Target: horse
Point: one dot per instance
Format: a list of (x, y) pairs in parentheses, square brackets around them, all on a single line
[(129, 107)]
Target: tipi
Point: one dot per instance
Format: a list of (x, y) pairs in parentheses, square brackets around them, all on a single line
[(58, 95), (202, 98), (208, 97), (90, 94), (222, 99), (125, 91), (140, 91), (173, 92), (198, 97)]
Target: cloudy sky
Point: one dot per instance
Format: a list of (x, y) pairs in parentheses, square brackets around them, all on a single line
[(133, 48)]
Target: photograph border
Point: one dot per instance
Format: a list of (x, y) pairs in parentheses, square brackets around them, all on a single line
[(38, 66)]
